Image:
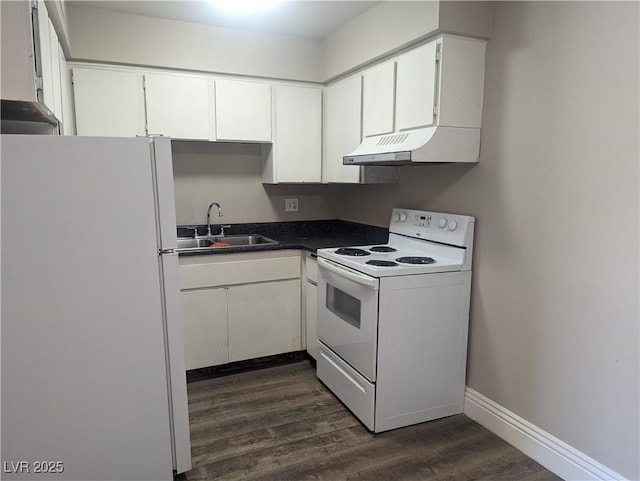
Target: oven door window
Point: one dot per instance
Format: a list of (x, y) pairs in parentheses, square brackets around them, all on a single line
[(343, 305)]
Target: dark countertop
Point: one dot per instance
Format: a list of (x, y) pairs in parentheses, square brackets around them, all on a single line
[(309, 235)]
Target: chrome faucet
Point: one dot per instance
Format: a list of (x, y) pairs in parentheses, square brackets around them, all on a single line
[(209, 216)]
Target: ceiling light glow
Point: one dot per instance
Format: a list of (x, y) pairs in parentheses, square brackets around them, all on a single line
[(246, 7)]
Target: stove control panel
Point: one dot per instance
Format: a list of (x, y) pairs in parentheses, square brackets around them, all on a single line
[(447, 228), (422, 220)]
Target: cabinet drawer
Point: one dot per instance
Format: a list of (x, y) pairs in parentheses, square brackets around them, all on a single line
[(221, 272)]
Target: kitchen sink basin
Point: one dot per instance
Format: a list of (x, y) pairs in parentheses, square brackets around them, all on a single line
[(186, 244)]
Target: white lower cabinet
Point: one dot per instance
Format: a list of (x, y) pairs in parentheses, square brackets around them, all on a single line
[(311, 305), (240, 306), (264, 319), (311, 313), (206, 341)]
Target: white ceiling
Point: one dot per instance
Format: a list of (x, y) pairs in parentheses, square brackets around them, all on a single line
[(304, 18)]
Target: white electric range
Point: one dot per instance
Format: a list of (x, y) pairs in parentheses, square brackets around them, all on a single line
[(393, 320)]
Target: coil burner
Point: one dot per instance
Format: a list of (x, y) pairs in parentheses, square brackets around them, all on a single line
[(350, 251), (379, 263), (416, 260)]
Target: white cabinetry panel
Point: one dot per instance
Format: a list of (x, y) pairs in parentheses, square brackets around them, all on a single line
[(461, 82), (416, 87), (108, 102), (243, 111), (264, 319), (178, 106), (205, 327), (378, 90), (342, 129), (240, 306), (56, 87), (45, 55), (68, 121), (311, 311), (295, 155)]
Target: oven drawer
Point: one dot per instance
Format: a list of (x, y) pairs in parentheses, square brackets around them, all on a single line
[(348, 385)]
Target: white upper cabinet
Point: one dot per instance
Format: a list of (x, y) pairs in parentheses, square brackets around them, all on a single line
[(243, 111), (68, 124), (295, 155), (439, 83), (461, 82), (45, 56), (178, 106), (342, 110), (378, 87), (108, 102), (56, 86), (416, 77)]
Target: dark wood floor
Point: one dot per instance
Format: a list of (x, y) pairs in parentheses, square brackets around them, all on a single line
[(282, 424)]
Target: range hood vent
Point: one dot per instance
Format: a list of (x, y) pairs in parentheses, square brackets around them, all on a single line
[(427, 145), (25, 111)]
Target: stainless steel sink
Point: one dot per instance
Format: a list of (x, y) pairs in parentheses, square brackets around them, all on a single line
[(186, 244)]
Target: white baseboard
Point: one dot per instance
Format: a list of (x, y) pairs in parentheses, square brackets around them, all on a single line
[(554, 454)]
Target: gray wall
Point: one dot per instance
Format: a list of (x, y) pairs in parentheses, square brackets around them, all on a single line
[(103, 36), (390, 26), (231, 174), (554, 322)]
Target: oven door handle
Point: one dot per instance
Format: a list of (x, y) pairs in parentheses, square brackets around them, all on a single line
[(350, 274)]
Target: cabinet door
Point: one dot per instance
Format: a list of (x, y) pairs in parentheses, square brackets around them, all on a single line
[(108, 102), (311, 316), (178, 106), (56, 86), (342, 129), (297, 139), (264, 319), (378, 85), (205, 327), (416, 87), (45, 55), (461, 82), (243, 111), (68, 126)]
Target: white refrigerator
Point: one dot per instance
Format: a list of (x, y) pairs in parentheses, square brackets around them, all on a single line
[(92, 361)]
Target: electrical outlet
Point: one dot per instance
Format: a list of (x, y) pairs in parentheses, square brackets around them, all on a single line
[(291, 205)]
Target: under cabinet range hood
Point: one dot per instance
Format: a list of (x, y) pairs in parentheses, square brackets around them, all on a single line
[(430, 144), (424, 105)]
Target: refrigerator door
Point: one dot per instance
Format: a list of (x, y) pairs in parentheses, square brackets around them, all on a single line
[(170, 291), (84, 378), (174, 341)]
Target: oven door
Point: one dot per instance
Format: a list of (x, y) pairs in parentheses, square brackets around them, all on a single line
[(348, 315)]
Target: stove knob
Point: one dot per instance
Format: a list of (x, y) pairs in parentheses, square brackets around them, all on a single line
[(396, 217), (442, 223), (403, 217), (453, 225)]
